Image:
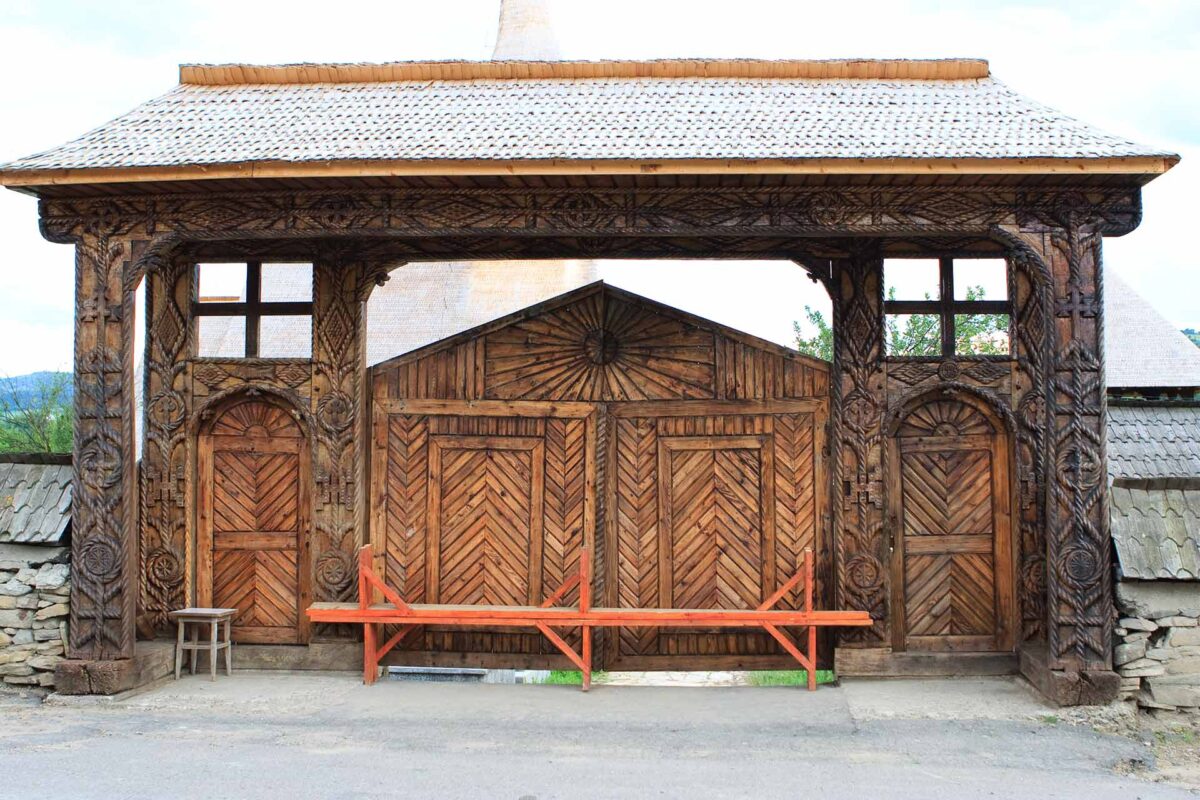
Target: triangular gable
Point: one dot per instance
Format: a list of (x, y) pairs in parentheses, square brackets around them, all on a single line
[(605, 344)]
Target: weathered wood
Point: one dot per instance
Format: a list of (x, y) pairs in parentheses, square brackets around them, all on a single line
[(253, 520), (952, 581)]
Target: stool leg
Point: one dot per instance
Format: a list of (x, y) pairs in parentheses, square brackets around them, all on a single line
[(212, 652), (195, 647), (228, 649), (178, 648)]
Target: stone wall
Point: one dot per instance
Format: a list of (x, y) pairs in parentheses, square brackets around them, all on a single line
[(34, 597), (1157, 651)]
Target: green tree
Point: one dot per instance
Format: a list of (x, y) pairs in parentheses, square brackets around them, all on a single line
[(1192, 334), (821, 343), (917, 334), (37, 420)]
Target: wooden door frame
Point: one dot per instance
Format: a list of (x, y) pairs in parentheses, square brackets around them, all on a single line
[(1004, 524), (204, 507), (536, 446), (667, 446), (823, 537)]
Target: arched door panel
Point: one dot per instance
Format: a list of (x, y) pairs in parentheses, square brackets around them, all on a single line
[(952, 574), (253, 522)]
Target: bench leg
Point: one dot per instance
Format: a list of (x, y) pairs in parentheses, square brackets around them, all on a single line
[(195, 649), (228, 650), (370, 654), (178, 648), (212, 653), (587, 657), (812, 658)]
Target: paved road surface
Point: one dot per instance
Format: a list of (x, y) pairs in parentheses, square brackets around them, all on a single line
[(260, 735)]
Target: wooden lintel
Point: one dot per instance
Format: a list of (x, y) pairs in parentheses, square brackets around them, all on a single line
[(688, 408), (486, 408)]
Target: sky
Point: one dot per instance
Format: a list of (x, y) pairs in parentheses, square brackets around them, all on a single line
[(1125, 66)]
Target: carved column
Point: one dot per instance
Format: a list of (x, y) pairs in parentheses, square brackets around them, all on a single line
[(103, 540), (1079, 580), (858, 406), (340, 291), (165, 541), (1080, 604)]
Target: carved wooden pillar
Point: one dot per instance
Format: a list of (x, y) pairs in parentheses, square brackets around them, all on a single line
[(1079, 585), (1079, 582), (340, 291), (103, 541), (858, 406), (165, 540)]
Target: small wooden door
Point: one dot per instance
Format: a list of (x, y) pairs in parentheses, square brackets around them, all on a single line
[(485, 520), (717, 527), (253, 522), (952, 570)]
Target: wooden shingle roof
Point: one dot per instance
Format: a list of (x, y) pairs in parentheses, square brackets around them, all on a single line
[(35, 502), (1154, 509), (544, 117), (1142, 349)]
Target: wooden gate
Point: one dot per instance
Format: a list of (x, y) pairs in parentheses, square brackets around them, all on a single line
[(687, 455), (482, 504), (252, 515), (713, 507), (952, 564)]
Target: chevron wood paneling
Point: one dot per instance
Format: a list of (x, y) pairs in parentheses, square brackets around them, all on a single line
[(485, 510), (709, 511), (947, 565), (716, 519), (253, 520), (951, 594), (947, 492), (261, 584), (487, 506)]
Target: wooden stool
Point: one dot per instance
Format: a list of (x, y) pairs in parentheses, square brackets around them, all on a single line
[(198, 617)]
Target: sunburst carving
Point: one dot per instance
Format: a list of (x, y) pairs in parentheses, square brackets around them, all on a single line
[(600, 348), (945, 418)]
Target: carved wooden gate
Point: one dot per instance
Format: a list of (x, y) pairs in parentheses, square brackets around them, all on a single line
[(253, 521), (709, 510), (688, 455), (952, 567), (482, 510)]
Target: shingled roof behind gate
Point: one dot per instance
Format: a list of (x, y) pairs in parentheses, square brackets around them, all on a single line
[(35, 499), (372, 119)]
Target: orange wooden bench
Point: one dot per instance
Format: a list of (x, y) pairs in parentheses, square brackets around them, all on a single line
[(546, 617)]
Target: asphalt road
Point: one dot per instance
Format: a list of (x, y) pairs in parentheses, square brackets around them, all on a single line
[(259, 735)]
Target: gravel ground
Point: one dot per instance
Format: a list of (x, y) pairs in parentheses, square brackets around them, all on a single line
[(268, 735)]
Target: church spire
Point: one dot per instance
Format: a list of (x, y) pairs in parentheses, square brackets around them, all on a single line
[(526, 32)]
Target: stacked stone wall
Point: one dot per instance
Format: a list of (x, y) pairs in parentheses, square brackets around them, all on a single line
[(1157, 651), (34, 601)]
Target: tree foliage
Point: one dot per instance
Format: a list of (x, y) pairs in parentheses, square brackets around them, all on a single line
[(37, 420), (917, 334)]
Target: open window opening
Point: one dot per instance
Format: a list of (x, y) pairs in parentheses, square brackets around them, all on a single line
[(254, 310), (947, 307)]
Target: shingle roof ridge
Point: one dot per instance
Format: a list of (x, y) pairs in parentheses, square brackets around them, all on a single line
[(362, 72)]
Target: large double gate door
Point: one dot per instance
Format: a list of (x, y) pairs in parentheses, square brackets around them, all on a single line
[(695, 504)]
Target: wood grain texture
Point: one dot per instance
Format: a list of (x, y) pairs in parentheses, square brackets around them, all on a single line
[(953, 581), (253, 527)]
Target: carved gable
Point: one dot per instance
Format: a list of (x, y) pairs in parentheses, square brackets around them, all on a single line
[(601, 344)]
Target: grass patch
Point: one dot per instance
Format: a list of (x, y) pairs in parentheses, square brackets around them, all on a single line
[(1048, 719), (569, 677), (787, 677)]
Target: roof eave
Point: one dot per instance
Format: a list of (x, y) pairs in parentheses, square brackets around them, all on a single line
[(1143, 167)]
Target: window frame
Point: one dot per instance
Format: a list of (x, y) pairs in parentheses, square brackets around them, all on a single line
[(946, 307), (252, 309)]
